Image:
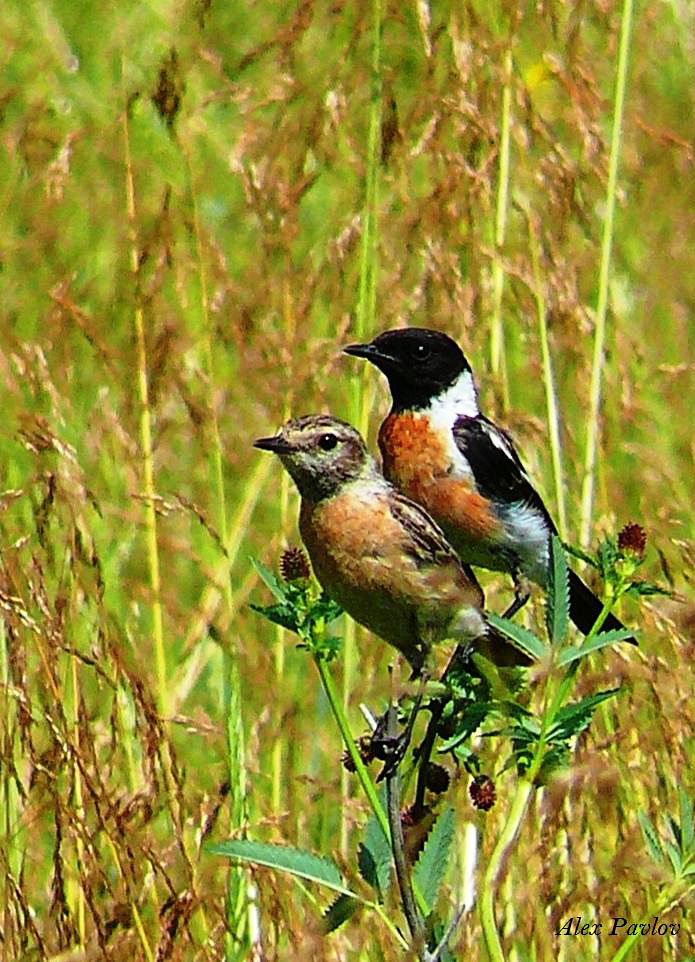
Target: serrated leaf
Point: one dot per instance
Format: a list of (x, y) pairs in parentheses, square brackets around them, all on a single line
[(567, 655), (674, 857), (579, 553), (468, 721), (367, 866), (557, 608), (374, 853), (522, 637), (555, 758), (647, 588), (295, 861), (686, 813), (431, 867), (651, 837), (519, 733), (330, 647), (575, 717), (270, 580), (280, 614), (675, 829), (515, 710), (338, 912), (608, 556), (326, 608)]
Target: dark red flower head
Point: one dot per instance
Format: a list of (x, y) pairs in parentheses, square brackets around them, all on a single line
[(294, 564), (633, 540), (482, 792)]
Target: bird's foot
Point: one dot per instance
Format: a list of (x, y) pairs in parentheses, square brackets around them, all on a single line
[(522, 593)]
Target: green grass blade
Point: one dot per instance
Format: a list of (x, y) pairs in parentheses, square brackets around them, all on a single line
[(604, 273), (686, 820)]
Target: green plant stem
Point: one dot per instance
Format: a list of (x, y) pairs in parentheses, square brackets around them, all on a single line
[(145, 435), (361, 771), (364, 321), (393, 794), (549, 381), (497, 358), (368, 259), (602, 302), (504, 843), (240, 896), (517, 811)]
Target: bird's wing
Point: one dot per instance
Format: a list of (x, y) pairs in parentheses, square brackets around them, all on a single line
[(496, 467), (425, 539), (426, 542)]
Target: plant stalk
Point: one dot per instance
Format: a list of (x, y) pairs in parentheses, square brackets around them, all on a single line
[(602, 302)]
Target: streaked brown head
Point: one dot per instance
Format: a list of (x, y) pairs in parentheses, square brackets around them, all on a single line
[(321, 453)]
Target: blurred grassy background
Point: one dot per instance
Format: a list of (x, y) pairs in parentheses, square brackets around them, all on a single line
[(246, 130)]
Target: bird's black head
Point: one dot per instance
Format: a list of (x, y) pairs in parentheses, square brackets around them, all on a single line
[(419, 363)]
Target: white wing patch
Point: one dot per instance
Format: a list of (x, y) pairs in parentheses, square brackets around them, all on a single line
[(504, 445)]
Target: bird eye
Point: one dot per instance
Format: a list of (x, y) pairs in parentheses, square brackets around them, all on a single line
[(327, 442), (420, 351)]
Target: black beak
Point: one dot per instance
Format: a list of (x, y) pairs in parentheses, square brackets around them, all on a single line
[(370, 353), (278, 445), (360, 350)]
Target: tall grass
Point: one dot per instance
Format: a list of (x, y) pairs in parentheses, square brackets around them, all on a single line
[(296, 178), (604, 275)]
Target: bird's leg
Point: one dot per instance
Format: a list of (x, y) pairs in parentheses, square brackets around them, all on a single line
[(522, 593)]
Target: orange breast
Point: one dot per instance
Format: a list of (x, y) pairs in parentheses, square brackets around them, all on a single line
[(412, 451), (417, 461)]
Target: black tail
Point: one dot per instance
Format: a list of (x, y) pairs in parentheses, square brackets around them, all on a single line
[(585, 608)]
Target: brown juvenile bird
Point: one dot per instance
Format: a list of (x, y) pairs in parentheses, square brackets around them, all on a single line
[(378, 554)]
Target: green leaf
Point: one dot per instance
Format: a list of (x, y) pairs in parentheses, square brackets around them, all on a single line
[(651, 837), (521, 637), (296, 861), (674, 857), (467, 722), (686, 812), (608, 557), (647, 588), (374, 853), (575, 717), (277, 586), (329, 647), (572, 653), (338, 912), (431, 867), (557, 609), (281, 614), (675, 830), (326, 608), (579, 553)]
